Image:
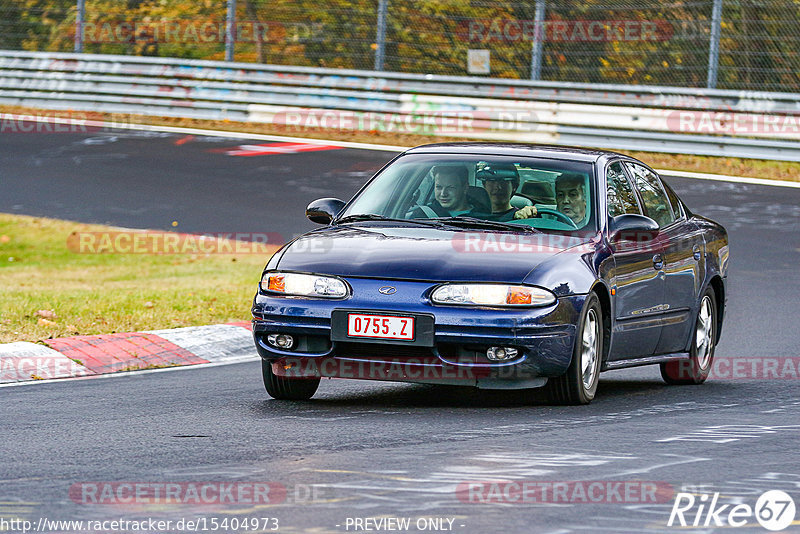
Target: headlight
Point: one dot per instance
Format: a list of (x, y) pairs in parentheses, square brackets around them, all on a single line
[(303, 285), (492, 295)]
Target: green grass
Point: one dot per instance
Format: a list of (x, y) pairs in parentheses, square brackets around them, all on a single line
[(105, 293)]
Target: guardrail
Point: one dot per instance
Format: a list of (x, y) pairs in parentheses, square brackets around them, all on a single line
[(659, 119)]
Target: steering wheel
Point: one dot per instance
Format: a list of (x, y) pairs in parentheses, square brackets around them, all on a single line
[(558, 215)]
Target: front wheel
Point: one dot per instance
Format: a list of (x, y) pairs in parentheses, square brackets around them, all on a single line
[(282, 388), (579, 384), (695, 370)]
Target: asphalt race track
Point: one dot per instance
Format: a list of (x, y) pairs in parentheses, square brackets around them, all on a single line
[(363, 450)]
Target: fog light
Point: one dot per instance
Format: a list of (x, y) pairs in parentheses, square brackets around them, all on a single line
[(281, 341), (500, 354)]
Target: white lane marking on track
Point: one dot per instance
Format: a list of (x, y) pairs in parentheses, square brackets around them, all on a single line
[(367, 146), (246, 359), (727, 178), (682, 460), (548, 424), (730, 433)]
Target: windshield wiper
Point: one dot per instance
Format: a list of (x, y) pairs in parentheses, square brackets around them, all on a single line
[(474, 222), (462, 221), (374, 217)]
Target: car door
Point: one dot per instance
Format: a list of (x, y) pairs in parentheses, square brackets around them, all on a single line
[(678, 240), (637, 283)]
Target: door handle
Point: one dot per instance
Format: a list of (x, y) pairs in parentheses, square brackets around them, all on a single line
[(658, 262), (696, 252)]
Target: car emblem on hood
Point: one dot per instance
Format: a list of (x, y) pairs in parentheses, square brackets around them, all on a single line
[(387, 290)]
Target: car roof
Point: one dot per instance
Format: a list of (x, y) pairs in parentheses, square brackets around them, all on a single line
[(515, 149)]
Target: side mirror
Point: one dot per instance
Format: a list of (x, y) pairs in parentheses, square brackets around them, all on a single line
[(632, 227), (323, 210)]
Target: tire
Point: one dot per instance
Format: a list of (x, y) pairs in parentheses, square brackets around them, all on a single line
[(695, 370), (579, 384), (282, 388)]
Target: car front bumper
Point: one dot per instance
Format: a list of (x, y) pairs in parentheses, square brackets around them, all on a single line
[(544, 338)]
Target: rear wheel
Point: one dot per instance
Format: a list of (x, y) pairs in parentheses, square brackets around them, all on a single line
[(695, 370), (282, 388), (579, 384)]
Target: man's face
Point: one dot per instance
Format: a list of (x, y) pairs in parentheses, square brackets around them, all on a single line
[(499, 191), (570, 201), (450, 191)]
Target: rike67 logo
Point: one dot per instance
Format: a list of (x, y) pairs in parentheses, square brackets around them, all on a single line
[(774, 510)]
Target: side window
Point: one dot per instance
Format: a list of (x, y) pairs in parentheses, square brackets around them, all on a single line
[(673, 199), (621, 198), (656, 203)]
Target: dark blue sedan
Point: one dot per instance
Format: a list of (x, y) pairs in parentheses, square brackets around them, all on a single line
[(497, 266)]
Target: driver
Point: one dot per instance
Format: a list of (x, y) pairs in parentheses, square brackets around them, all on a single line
[(570, 198)]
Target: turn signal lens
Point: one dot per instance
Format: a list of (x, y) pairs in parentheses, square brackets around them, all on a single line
[(518, 296), (277, 283), (303, 285), (492, 295)]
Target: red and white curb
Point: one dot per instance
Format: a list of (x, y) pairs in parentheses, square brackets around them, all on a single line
[(22, 362)]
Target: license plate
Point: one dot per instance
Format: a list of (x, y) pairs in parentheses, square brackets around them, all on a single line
[(380, 326)]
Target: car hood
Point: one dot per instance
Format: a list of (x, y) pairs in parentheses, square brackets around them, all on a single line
[(420, 253)]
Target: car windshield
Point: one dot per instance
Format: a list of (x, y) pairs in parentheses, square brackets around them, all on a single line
[(549, 195)]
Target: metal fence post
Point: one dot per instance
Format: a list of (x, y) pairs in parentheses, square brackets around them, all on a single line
[(380, 38), (538, 41), (713, 46), (80, 16), (230, 31)]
